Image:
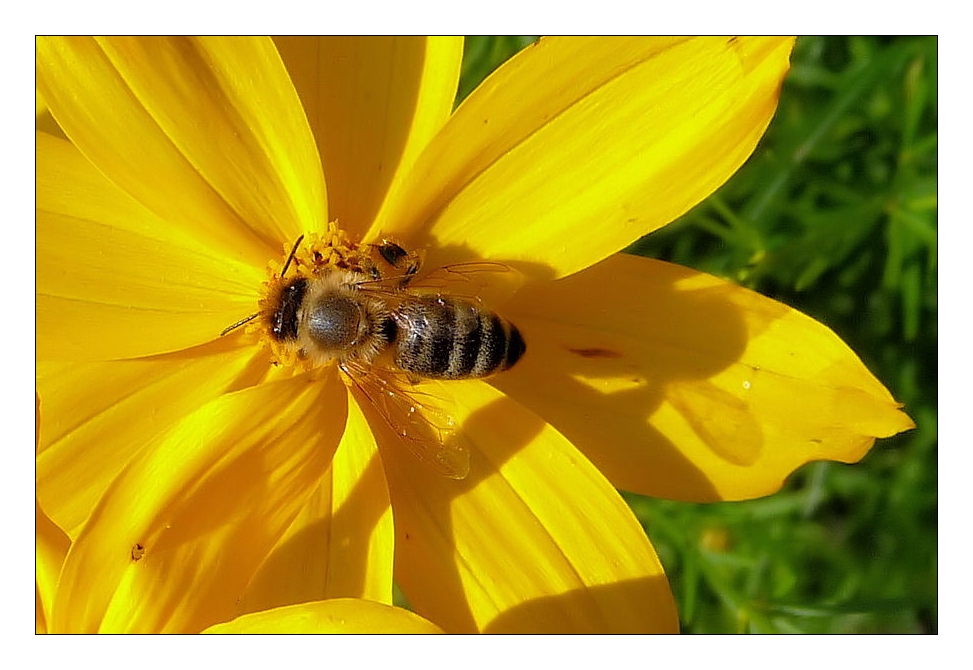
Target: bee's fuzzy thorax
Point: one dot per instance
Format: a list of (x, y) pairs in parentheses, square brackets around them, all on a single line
[(371, 313)]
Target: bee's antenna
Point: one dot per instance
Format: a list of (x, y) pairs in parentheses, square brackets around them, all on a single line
[(239, 323), (291, 256)]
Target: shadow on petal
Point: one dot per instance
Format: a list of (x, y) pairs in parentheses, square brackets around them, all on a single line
[(532, 518), (677, 384), (303, 568), (554, 614), (601, 364)]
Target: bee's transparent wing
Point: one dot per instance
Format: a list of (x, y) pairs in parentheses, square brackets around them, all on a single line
[(484, 281), (418, 419)]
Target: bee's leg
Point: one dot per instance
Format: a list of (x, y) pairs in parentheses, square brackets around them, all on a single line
[(408, 263)]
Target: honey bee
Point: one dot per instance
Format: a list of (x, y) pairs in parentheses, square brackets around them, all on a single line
[(378, 328)]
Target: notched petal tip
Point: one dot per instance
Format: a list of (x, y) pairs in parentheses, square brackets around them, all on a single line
[(715, 393)]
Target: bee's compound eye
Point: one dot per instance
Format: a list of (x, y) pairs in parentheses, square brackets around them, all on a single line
[(284, 326), (334, 322)]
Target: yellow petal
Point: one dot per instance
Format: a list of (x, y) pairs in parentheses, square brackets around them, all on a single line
[(98, 416), (577, 147), (37, 421), (113, 281), (534, 539), (51, 545), (680, 385), (373, 103), (180, 532), (207, 133), (43, 121), (329, 616), (342, 542), (40, 105), (40, 623)]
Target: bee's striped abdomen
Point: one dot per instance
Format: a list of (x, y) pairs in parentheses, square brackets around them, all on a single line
[(446, 338)]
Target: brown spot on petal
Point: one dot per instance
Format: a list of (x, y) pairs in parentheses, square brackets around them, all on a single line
[(138, 551)]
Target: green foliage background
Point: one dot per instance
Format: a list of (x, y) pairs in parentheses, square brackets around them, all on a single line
[(835, 214)]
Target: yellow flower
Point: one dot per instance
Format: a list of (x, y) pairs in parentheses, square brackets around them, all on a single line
[(199, 480)]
